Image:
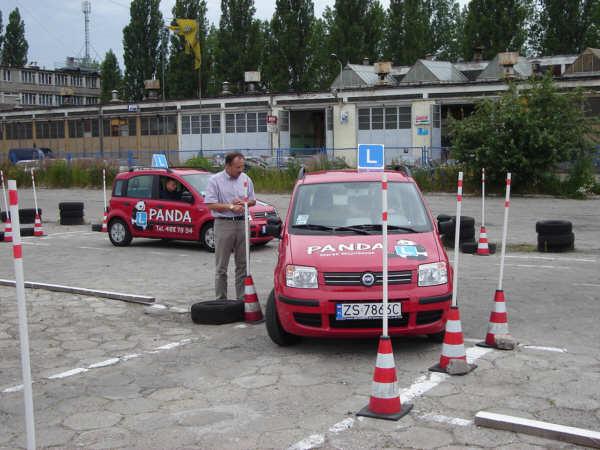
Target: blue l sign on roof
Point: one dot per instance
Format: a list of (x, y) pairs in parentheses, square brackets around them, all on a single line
[(159, 161), (370, 157)]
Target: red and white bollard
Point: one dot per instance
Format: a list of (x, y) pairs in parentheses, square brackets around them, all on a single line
[(482, 245), (7, 223), (498, 335), (37, 227), (105, 216), (252, 311), (22, 313), (385, 397)]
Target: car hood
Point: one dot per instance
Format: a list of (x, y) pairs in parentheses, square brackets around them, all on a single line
[(261, 206), (362, 252)]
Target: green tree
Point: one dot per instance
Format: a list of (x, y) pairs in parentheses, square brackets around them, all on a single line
[(374, 32), (495, 26), (323, 68), (240, 42), (566, 26), (347, 32), (526, 132), (14, 49), (1, 35), (409, 34), (446, 29), (290, 43), (182, 77), (110, 73), (141, 46), (209, 52)]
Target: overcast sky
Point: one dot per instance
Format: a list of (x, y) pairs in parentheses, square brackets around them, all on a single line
[(55, 29)]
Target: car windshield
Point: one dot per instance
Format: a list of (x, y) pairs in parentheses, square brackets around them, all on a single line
[(198, 181), (355, 207)]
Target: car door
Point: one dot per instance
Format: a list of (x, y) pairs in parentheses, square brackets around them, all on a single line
[(136, 204), (171, 217)]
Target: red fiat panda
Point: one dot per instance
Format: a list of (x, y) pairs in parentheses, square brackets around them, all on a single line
[(328, 278), (141, 206)]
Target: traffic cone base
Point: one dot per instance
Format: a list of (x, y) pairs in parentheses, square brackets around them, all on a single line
[(37, 227), (453, 347), (498, 325), (385, 398), (482, 246), (252, 311), (104, 223)]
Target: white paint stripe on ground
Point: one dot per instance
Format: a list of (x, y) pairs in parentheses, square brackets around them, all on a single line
[(439, 418), (313, 441), (344, 425), (93, 248), (551, 258), (545, 349), (36, 243), (536, 266), (586, 284), (64, 233), (105, 363)]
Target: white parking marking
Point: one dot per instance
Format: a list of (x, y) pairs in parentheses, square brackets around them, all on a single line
[(586, 284), (439, 418), (35, 243), (545, 349), (93, 248), (104, 363), (551, 258), (535, 266), (342, 426), (313, 441), (65, 233)]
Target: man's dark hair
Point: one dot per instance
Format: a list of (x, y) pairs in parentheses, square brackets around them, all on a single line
[(231, 156)]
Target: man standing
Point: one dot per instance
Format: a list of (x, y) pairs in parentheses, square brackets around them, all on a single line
[(225, 198)]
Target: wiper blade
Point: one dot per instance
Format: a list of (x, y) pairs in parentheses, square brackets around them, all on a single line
[(313, 226), (378, 226), (396, 227), (357, 230)]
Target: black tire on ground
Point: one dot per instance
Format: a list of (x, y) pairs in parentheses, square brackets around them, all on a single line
[(492, 247), (468, 247), (27, 215), (1, 236), (3, 216), (556, 239), (553, 227), (274, 328), (465, 221), (72, 221), (96, 227), (71, 214), (547, 248), (26, 231), (217, 312), (207, 237), (446, 227), (119, 233), (70, 206), (467, 234), (443, 217)]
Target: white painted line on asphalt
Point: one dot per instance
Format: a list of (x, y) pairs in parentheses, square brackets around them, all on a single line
[(551, 258), (160, 253), (105, 363), (439, 418), (243, 325), (35, 243), (66, 233), (545, 349), (93, 248), (342, 426), (535, 266), (313, 441), (586, 284)]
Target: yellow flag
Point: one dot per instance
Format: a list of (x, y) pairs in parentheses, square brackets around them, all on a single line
[(188, 29)]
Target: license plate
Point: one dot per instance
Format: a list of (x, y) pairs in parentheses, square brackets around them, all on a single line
[(355, 311)]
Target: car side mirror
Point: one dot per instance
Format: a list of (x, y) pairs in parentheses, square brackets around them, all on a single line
[(187, 197), (273, 227)]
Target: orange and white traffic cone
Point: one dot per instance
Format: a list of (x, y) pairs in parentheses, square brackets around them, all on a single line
[(104, 223), (37, 226), (482, 246), (385, 398), (498, 325), (7, 231), (453, 348), (252, 311)]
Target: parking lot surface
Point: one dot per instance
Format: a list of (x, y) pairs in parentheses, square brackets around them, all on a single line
[(109, 375)]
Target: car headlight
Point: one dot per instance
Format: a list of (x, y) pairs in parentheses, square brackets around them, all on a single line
[(433, 274), (301, 277)]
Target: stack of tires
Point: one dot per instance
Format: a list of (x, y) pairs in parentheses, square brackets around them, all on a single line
[(71, 213), (555, 236), (26, 217), (467, 242)]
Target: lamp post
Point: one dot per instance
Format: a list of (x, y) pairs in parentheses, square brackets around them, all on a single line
[(334, 56)]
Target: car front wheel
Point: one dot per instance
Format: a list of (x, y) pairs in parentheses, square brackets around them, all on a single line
[(274, 328), (118, 233), (207, 237)]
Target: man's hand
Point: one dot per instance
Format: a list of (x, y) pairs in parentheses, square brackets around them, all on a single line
[(237, 208)]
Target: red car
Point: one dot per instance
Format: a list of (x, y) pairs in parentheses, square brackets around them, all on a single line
[(328, 278), (141, 207)]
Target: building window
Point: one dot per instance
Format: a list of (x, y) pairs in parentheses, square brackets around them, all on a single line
[(436, 116), (76, 81), (75, 128), (46, 99), (28, 98), (404, 116), (215, 123), (6, 75), (377, 118), (330, 118), (205, 124), (185, 125), (209, 123), (391, 118), (251, 122), (159, 125), (230, 123), (61, 80), (27, 77), (364, 119), (19, 130), (91, 82), (91, 100), (240, 122), (284, 121), (45, 78), (53, 129)]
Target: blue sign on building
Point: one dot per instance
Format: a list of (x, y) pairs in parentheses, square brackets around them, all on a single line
[(370, 157)]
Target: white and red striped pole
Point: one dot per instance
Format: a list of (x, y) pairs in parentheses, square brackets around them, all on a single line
[(22, 312), (104, 187), (482, 198), (4, 194), (457, 238), (504, 229), (37, 229), (246, 226), (384, 250)]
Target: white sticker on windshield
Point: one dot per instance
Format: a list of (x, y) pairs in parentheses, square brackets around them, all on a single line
[(302, 219)]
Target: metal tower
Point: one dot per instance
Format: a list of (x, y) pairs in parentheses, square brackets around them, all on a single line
[(86, 7)]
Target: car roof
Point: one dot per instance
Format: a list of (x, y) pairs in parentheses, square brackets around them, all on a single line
[(349, 175), (180, 171)]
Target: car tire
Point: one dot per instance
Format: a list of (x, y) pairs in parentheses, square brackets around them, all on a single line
[(1, 236), (26, 215), (71, 214), (556, 243), (274, 328), (27, 231), (553, 227), (96, 227), (207, 237), (71, 221), (217, 312), (468, 247), (119, 233), (70, 206), (446, 227)]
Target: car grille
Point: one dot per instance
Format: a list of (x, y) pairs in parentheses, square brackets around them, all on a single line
[(263, 214), (353, 278), (368, 323), (310, 320)]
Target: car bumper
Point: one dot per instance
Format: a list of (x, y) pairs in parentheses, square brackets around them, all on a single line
[(258, 234), (313, 317)]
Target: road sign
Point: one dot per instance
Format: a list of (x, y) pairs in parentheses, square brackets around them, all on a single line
[(159, 161), (370, 157)]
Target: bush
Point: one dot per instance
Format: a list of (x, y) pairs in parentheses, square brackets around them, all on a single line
[(199, 162)]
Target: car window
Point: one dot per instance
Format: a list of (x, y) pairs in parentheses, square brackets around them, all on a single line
[(358, 203), (140, 186), (198, 181), (118, 191)]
